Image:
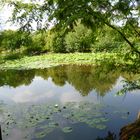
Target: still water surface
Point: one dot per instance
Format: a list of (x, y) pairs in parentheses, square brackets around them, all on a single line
[(65, 103)]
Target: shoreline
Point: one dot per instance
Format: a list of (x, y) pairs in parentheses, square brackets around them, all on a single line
[(55, 59)]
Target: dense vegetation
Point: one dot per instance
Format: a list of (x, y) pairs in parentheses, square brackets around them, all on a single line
[(109, 29), (95, 28), (57, 32), (15, 44), (80, 39)]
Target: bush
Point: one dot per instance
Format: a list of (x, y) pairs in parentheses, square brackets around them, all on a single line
[(107, 40), (79, 40), (13, 55), (38, 43), (55, 42), (12, 40)]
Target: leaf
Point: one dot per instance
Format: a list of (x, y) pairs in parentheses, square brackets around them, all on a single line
[(67, 129)]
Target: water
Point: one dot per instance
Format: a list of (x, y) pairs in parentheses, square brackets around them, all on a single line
[(65, 103)]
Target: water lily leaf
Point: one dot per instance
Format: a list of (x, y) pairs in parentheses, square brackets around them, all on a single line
[(40, 135), (100, 126), (53, 124), (67, 129), (46, 131)]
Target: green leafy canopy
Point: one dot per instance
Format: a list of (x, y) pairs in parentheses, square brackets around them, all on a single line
[(63, 14)]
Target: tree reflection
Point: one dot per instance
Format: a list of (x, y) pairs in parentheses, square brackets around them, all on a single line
[(83, 78), (110, 136), (16, 78), (129, 86)]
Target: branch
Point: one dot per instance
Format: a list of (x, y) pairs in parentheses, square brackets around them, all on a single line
[(124, 37)]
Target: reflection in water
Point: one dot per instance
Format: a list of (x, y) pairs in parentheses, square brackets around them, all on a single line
[(39, 121), (82, 78), (110, 136), (78, 100), (131, 131)]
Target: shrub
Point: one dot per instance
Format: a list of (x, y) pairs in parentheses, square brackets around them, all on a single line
[(79, 40), (55, 42)]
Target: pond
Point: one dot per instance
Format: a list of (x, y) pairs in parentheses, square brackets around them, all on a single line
[(66, 102)]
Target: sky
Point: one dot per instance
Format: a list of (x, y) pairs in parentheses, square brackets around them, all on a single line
[(5, 14)]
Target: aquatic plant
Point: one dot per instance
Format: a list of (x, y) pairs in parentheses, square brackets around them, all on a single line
[(42, 119)]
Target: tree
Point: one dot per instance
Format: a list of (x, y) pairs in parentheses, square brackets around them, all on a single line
[(55, 41), (37, 44), (92, 13), (12, 40), (108, 40), (80, 39)]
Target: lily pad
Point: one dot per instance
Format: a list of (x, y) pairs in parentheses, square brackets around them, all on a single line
[(67, 129), (100, 126)]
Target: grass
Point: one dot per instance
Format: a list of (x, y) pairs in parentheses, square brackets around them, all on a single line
[(48, 60)]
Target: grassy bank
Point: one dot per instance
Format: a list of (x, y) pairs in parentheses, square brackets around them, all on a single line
[(48, 60)]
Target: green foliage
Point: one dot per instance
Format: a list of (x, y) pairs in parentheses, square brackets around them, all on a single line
[(94, 14), (11, 40), (44, 61), (79, 40), (108, 40), (55, 41), (98, 19), (13, 55), (134, 138), (38, 43)]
